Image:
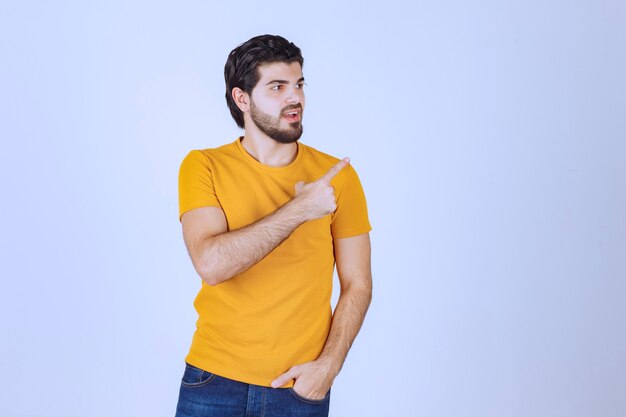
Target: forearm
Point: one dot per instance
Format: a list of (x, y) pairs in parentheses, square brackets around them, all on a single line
[(346, 323), (229, 254), (219, 256), (352, 257)]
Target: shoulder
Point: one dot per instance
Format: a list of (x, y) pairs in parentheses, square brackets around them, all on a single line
[(208, 156)]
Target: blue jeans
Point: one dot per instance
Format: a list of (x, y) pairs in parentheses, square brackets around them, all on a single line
[(205, 394)]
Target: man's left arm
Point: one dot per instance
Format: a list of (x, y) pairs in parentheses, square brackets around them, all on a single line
[(314, 379)]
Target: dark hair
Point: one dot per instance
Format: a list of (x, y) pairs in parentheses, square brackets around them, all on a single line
[(241, 69)]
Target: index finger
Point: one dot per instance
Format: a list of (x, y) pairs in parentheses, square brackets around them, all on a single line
[(334, 170)]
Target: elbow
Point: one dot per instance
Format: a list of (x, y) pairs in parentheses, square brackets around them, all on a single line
[(367, 292), (210, 280), (208, 272), (368, 295), (207, 268), (211, 266), (208, 275), (363, 291)]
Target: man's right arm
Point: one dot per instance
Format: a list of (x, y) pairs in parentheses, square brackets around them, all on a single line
[(218, 254)]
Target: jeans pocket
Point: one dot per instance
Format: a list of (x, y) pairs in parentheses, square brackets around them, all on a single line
[(195, 377), (309, 400)]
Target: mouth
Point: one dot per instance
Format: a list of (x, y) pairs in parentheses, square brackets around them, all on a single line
[(293, 115)]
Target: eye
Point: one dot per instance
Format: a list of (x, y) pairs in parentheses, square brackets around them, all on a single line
[(277, 87), (300, 86)]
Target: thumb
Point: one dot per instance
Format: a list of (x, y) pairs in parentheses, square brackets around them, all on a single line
[(286, 377)]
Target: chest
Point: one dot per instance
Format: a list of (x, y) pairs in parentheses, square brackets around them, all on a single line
[(247, 197)]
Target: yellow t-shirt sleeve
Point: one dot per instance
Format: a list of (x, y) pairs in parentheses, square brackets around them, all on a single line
[(195, 183), (350, 218)]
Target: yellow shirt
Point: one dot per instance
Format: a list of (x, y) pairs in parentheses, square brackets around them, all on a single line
[(277, 314)]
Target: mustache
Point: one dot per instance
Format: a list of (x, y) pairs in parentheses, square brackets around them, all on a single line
[(292, 107)]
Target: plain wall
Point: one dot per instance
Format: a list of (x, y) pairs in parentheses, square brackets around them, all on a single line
[(490, 138)]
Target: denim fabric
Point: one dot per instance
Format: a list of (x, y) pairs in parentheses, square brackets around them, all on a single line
[(203, 394)]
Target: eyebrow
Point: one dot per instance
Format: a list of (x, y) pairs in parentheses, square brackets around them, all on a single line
[(284, 81)]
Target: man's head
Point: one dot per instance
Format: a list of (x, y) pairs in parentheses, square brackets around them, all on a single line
[(264, 86)]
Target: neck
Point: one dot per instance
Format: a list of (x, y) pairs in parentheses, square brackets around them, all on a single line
[(267, 151)]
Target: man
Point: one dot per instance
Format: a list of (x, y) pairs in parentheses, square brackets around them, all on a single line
[(265, 219)]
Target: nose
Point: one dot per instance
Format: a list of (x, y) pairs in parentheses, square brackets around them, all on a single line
[(294, 95)]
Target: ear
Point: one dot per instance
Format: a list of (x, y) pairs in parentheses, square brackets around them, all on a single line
[(242, 99)]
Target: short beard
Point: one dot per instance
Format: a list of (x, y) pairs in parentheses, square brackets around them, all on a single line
[(271, 126)]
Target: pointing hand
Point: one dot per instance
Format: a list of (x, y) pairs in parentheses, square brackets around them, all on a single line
[(317, 199)]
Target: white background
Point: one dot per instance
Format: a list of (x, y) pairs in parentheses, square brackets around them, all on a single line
[(490, 138)]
